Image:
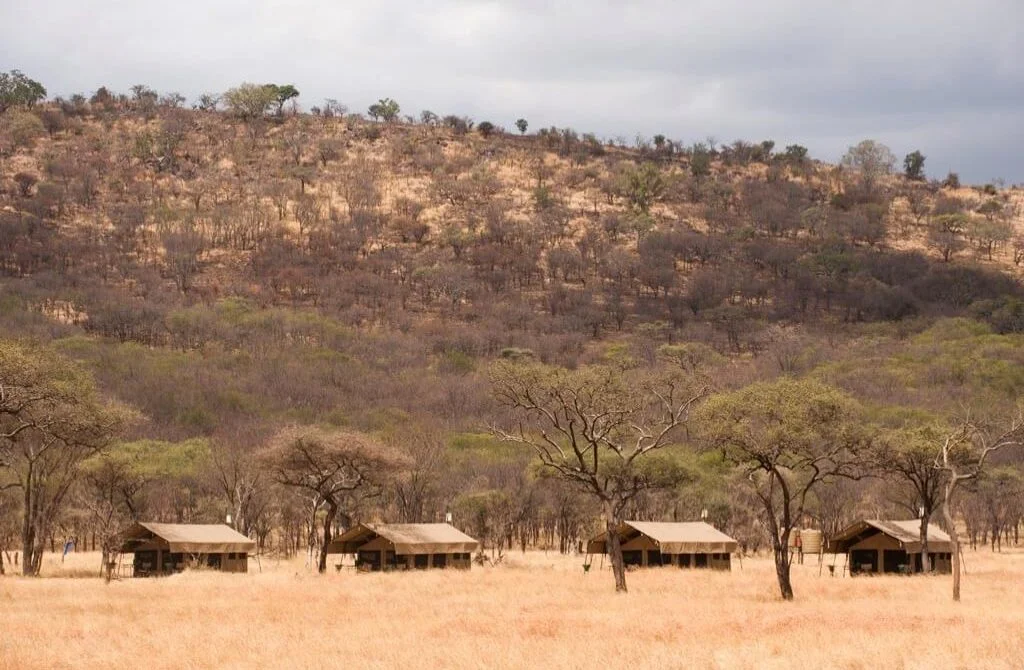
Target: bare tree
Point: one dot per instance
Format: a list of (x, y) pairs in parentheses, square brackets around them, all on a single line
[(907, 456), (418, 486), (240, 480), (598, 429), (182, 248), (962, 455)]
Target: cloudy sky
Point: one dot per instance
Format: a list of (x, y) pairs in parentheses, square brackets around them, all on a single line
[(936, 75)]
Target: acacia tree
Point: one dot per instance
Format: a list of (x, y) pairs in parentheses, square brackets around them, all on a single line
[(962, 456), (643, 186), (336, 468), (18, 89), (788, 438), (128, 481), (599, 429), (282, 93), (913, 166), (386, 109), (51, 420), (110, 483), (907, 455), (250, 101)]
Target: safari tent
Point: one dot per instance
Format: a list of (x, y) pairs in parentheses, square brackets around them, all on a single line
[(873, 546), (405, 546), (166, 548), (683, 544)]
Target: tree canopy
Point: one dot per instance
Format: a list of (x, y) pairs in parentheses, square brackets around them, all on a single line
[(789, 438), (18, 89)]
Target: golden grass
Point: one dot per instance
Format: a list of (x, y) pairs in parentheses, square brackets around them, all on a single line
[(537, 610)]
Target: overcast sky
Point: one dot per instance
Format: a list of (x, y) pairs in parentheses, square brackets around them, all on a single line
[(936, 75)]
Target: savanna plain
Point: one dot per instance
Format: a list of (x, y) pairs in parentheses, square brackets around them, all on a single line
[(532, 610)]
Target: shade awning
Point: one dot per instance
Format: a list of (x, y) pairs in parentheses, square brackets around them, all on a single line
[(187, 538), (407, 538), (687, 537), (906, 532)]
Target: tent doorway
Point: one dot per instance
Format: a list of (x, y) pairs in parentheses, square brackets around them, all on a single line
[(895, 560), (863, 560)]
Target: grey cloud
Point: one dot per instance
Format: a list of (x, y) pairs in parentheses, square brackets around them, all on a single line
[(945, 77)]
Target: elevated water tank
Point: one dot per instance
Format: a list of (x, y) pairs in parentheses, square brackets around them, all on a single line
[(811, 540)]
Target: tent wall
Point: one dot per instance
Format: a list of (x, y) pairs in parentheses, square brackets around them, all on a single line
[(156, 562), (385, 559)]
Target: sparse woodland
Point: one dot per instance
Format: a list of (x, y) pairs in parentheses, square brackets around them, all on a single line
[(241, 281)]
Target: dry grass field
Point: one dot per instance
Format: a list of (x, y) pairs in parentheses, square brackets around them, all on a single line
[(535, 610)]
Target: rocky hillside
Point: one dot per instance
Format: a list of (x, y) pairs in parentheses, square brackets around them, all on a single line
[(439, 244)]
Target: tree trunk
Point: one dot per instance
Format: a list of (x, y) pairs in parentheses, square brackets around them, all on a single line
[(332, 512), (615, 549), (925, 561), (954, 539), (31, 540), (782, 562)]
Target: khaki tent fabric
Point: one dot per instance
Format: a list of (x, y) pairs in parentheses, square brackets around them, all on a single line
[(189, 538), (691, 537), (408, 538), (906, 532)]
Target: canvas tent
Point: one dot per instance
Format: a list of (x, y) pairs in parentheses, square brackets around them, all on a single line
[(165, 548), (683, 544), (876, 546), (403, 546)]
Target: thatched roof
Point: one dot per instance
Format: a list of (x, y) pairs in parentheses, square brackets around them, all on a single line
[(407, 538), (906, 532), (687, 537), (187, 538)]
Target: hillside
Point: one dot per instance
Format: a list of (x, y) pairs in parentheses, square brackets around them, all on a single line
[(227, 276)]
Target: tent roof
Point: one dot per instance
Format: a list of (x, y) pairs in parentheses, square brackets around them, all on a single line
[(408, 538), (684, 537), (907, 532), (189, 538)]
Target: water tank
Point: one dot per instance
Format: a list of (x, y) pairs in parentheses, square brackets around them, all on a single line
[(811, 539)]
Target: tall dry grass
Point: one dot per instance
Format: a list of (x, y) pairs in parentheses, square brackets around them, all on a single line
[(535, 611)]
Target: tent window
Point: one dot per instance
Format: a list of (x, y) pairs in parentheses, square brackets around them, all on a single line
[(440, 560), (421, 561), (370, 559)]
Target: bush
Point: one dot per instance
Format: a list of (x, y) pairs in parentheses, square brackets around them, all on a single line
[(485, 128), (19, 130)]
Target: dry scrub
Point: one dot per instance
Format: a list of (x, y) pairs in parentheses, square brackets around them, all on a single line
[(538, 610)]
